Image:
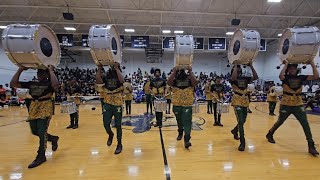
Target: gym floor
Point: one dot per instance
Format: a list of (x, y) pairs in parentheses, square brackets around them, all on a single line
[(83, 154)]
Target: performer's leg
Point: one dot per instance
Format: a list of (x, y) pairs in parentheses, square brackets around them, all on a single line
[(177, 110), (107, 115), (129, 106), (117, 111), (187, 125), (215, 114), (159, 116), (72, 120)]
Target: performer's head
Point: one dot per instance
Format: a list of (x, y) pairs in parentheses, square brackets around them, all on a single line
[(181, 74), (43, 75), (157, 73), (127, 80), (292, 69), (218, 80), (239, 70)]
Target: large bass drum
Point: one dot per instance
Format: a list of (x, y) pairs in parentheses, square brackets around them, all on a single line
[(105, 44), (183, 51), (244, 46), (31, 45), (299, 45)]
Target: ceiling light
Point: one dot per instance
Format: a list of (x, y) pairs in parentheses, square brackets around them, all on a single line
[(178, 32), (3, 27), (279, 35), (229, 33), (129, 30), (275, 1), (70, 28), (166, 31)]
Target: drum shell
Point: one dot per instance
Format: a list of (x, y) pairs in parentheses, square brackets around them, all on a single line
[(195, 108), (22, 45), (102, 42), (68, 107), (303, 44), (249, 46), (223, 107), (183, 51), (160, 105)]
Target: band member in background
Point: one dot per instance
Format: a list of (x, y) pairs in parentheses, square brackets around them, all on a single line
[(157, 88), (208, 96), (272, 99), (127, 95), (240, 100), (217, 91), (168, 97), (41, 108), (147, 92), (73, 89), (112, 85), (183, 84), (291, 102)]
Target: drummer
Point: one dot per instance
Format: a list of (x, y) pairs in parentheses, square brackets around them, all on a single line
[(112, 85), (127, 95), (41, 109), (147, 92), (272, 99), (208, 96), (291, 102), (73, 89), (182, 99), (157, 88), (168, 97), (240, 100), (217, 92)]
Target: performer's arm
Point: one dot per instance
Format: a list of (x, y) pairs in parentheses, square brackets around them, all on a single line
[(234, 73), (254, 72), (315, 72), (53, 78), (119, 75), (98, 75), (15, 79), (172, 76), (192, 77), (283, 71)]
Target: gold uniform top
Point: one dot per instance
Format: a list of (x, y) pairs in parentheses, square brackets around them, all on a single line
[(217, 92), (146, 88), (127, 91), (292, 89), (158, 86), (169, 92), (112, 90), (208, 92), (182, 93), (271, 98), (41, 105), (240, 96)]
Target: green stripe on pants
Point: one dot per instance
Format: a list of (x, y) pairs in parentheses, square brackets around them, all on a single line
[(108, 112), (184, 118), (300, 113)]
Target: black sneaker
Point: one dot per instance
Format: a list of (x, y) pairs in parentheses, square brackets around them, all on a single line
[(241, 147), (187, 144), (118, 149), (41, 158), (55, 143), (235, 135), (70, 126), (269, 136), (110, 139), (75, 126)]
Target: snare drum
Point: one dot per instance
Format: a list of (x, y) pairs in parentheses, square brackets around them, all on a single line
[(223, 107), (68, 107), (31, 45), (160, 105), (23, 93), (195, 108)]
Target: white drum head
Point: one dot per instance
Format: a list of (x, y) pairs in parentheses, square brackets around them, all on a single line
[(244, 46)]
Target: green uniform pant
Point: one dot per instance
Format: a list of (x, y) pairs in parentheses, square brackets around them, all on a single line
[(28, 102), (209, 106), (149, 102), (39, 127), (184, 119), (272, 106), (74, 117), (241, 114), (110, 111), (128, 106), (300, 113), (102, 103), (159, 116)]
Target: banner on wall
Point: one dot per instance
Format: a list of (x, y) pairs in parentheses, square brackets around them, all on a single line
[(263, 45), (168, 42), (139, 41), (65, 39), (199, 43), (217, 44)]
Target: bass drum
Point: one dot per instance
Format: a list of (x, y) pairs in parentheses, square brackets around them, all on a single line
[(183, 51), (105, 44), (244, 46), (33, 46), (299, 45)]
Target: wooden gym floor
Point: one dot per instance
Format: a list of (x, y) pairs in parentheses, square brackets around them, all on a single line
[(83, 154)]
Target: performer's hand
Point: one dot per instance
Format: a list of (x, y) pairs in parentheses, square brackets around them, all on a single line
[(116, 65), (311, 63), (51, 68), (189, 69), (99, 67), (21, 68), (250, 64), (174, 70), (285, 62)]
